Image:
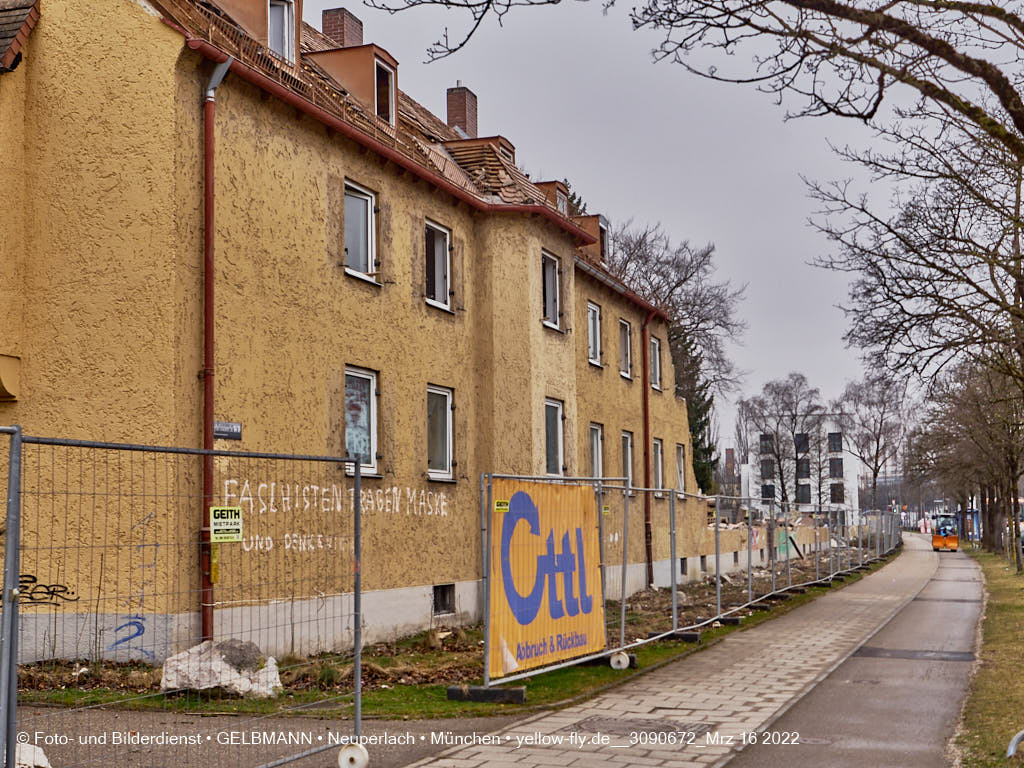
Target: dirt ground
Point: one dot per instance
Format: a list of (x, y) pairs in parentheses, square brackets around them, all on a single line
[(116, 736), (444, 656)]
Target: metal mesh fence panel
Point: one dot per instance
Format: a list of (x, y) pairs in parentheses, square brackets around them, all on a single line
[(696, 565), (115, 666)]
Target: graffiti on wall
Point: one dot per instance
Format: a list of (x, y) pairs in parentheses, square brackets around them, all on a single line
[(32, 592), (295, 498)]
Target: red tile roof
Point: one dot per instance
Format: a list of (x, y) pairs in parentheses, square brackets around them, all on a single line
[(17, 18)]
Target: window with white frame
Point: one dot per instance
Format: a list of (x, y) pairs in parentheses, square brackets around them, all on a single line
[(384, 92), (657, 459), (655, 363), (360, 236), (625, 352), (594, 333), (562, 202), (281, 28), (596, 450), (553, 437), (680, 468), (603, 242), (627, 458), (552, 305), (361, 417), (438, 265), (439, 433)]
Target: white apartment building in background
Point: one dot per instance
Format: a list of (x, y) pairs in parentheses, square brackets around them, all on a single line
[(818, 470)]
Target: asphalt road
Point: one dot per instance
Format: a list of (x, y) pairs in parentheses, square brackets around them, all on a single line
[(896, 700)]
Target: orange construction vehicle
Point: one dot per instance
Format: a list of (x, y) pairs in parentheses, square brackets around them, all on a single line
[(944, 534)]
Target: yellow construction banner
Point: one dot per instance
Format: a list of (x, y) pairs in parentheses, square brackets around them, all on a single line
[(545, 580)]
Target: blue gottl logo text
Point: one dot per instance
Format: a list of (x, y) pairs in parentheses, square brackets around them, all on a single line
[(549, 566)]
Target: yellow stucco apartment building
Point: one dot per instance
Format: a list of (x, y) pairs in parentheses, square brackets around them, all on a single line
[(385, 284)]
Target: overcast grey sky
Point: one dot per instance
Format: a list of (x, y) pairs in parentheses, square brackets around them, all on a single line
[(577, 92)]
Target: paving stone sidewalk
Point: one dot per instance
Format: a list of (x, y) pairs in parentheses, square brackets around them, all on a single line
[(694, 712)]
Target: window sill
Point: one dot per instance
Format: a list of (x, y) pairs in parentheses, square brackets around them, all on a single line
[(441, 307), (366, 475), (445, 480), (362, 276), (626, 376), (595, 363), (552, 326), (656, 388)]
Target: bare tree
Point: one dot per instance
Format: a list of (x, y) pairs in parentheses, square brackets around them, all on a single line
[(973, 436), (680, 279), (834, 57), (940, 277), (872, 420)]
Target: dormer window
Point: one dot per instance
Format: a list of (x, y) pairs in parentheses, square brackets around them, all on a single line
[(506, 153), (384, 89), (603, 237), (562, 201), (281, 28)]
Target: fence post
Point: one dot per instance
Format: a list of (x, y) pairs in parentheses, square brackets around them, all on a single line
[(9, 632), (831, 548), (599, 492), (357, 599), (718, 568), (486, 505), (817, 549), (860, 536), (789, 554), (622, 571), (673, 560), (750, 554)]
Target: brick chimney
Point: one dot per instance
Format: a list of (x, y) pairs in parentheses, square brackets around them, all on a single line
[(342, 27), (462, 109)]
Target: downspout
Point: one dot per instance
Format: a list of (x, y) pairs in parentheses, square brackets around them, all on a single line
[(646, 379), (205, 560)]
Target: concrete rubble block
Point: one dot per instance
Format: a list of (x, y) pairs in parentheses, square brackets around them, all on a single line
[(234, 665), (30, 756)]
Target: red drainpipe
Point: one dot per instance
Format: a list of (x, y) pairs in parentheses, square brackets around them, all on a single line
[(646, 379), (205, 560)]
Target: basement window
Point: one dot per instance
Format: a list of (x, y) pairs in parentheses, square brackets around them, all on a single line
[(384, 90), (444, 599)]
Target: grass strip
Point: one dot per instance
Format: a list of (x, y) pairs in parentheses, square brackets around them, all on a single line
[(994, 709)]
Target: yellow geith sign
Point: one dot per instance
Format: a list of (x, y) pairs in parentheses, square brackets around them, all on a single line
[(545, 585)]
